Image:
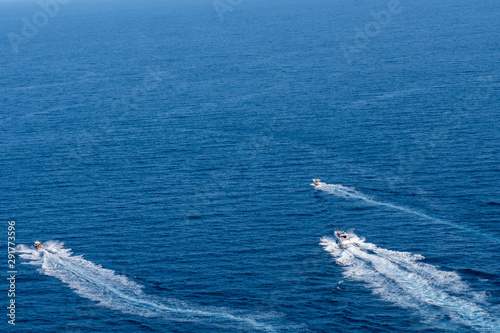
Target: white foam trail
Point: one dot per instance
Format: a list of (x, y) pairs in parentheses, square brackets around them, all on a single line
[(400, 278), (350, 193), (117, 292)]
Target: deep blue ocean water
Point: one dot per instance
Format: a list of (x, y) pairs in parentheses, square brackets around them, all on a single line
[(173, 144)]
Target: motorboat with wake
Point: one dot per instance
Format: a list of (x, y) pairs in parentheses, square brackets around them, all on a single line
[(38, 245), (317, 182), (342, 238)]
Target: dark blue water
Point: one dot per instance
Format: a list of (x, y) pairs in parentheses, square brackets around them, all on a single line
[(175, 149)]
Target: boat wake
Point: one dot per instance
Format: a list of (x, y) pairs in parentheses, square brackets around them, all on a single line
[(402, 279), (350, 193), (117, 292)]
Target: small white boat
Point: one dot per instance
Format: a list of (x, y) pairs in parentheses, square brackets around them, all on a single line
[(39, 245), (343, 238), (317, 182)]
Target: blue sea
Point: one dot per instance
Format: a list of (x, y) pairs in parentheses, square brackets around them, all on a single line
[(163, 152)]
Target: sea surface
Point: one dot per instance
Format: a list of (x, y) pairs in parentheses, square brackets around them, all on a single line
[(163, 152)]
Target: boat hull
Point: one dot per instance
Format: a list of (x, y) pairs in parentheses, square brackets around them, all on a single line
[(343, 239)]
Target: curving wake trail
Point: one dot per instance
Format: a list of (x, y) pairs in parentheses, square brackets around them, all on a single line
[(350, 193), (402, 279), (117, 292)]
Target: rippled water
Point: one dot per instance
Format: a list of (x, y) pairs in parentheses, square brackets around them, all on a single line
[(172, 152)]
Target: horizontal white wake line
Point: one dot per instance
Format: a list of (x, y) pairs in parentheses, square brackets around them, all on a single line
[(402, 279), (117, 292), (350, 193)]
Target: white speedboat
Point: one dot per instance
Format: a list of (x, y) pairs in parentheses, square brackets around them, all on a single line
[(39, 245), (343, 238), (316, 182)]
